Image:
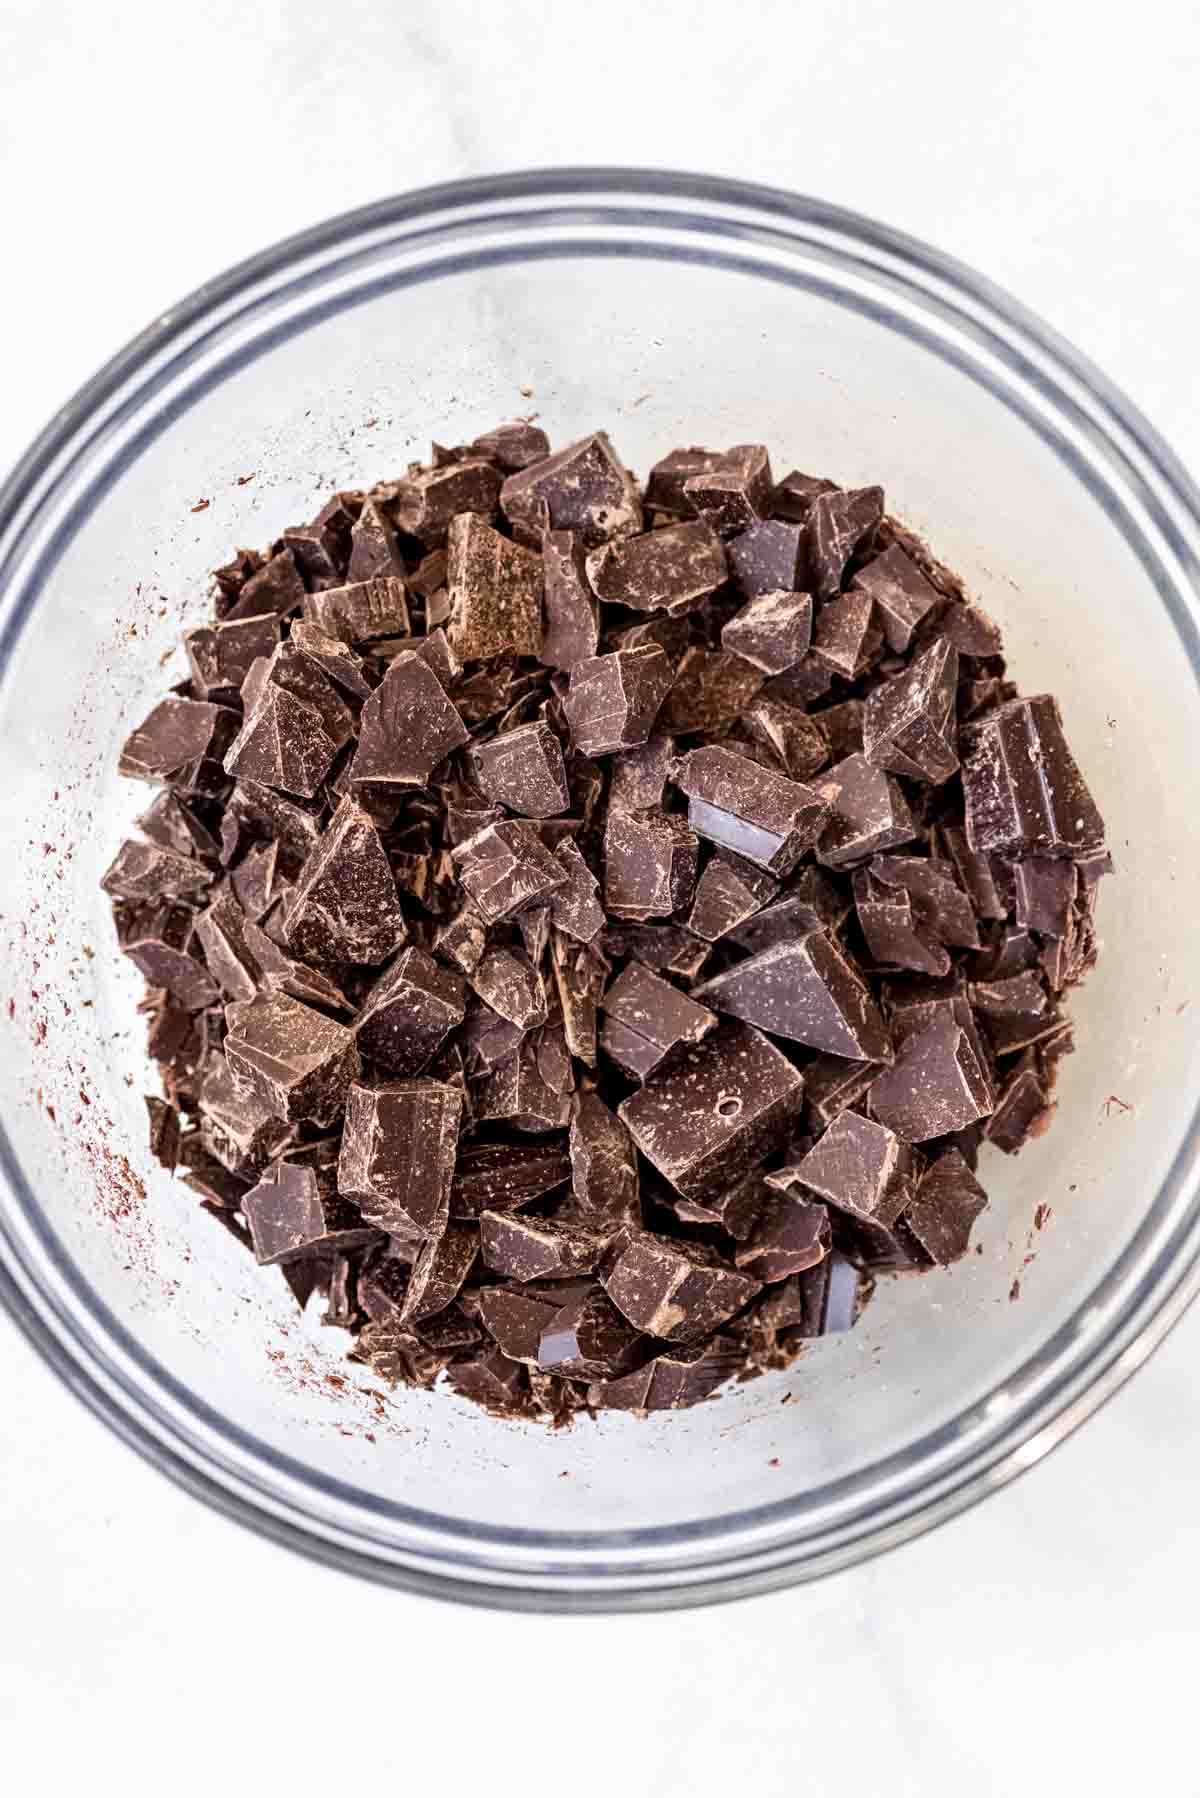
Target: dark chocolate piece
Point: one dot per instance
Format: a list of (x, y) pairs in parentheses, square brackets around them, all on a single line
[(842, 634), (726, 1104), (736, 493), (572, 615), (673, 1381), (796, 492), (523, 770), (1023, 790), (805, 991), (670, 570), (797, 741), (971, 631), (639, 777), (761, 816), (650, 861), (832, 1294), (789, 1235), (728, 892), (948, 1201), (646, 1020), (146, 872), (868, 813), (590, 1339), (769, 558), (299, 1062), (810, 901), (374, 551), (518, 1092), (362, 613), (439, 1272), (177, 733), (220, 655), (667, 479), (893, 936), (495, 590), (578, 980), (163, 1120), (909, 721), (1045, 895), (408, 727), (575, 908), (1015, 1011), (832, 1085), (711, 688), (901, 594), (936, 1085), (840, 525), (538, 1248), (504, 868), (736, 1209), (296, 1210), (504, 1176), (277, 587), (336, 658), (427, 504), (939, 904), (677, 1291), (398, 1151), (409, 1013), (583, 488), (513, 446), (515, 1320), (604, 1175), (1024, 1110), (161, 940), (507, 981), (861, 1168), (344, 907), (614, 699)]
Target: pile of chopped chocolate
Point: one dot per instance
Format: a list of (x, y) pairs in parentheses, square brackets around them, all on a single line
[(591, 932)]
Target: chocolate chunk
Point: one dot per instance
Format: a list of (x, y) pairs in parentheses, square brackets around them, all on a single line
[(439, 1272), (497, 1385), (523, 770), (890, 929), (861, 1168), (796, 492), (790, 1234), (677, 1291), (669, 570), (295, 1209), (409, 1013), (317, 554), (221, 931), (728, 892), (408, 727), (297, 1061), (161, 941), (254, 880), (513, 446), (736, 1209), (711, 688), (538, 1248), (671, 1382), (604, 1175), (362, 613), (901, 594), (295, 725), (840, 525), (805, 991), (614, 699), (583, 488), (868, 813), (258, 814), (971, 631), (802, 685), (508, 982), (832, 1085), (495, 590), (344, 907), (908, 724), (173, 824), (572, 622), (726, 1104), (939, 903), (810, 901), (505, 868), (589, 1338), (842, 634), (761, 816), (948, 1201), (427, 503), (462, 939), (736, 493), (146, 872), (1015, 1012), (1024, 1110), (236, 1128), (336, 658), (650, 861), (280, 973), (936, 1085), (374, 551), (220, 655), (575, 908), (163, 1120), (277, 587), (398, 1151), (665, 486), (647, 1020), (578, 980), (1045, 893), (505, 1176), (666, 948), (639, 777), (1023, 790), (515, 1320), (976, 874), (177, 733), (841, 726), (517, 1092), (832, 1295), (768, 559), (797, 741)]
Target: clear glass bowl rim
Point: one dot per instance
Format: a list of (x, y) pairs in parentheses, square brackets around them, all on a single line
[(1144, 1293)]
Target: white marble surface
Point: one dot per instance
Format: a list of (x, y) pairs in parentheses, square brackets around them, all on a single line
[(1042, 1642)]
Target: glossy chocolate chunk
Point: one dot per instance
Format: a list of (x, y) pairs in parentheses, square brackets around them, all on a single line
[(665, 485), (832, 1296), (220, 655), (337, 659), (515, 1320), (711, 689), (1022, 787), (590, 1339), (728, 892), (296, 1210), (1015, 1012), (646, 1020), (409, 1012), (299, 1062), (1045, 895), (236, 1128), (408, 726), (669, 570), (505, 1176), (796, 741), (790, 1234), (279, 972), (177, 733), (724, 1106), (901, 594), (671, 1382), (614, 699), (808, 992), (948, 1201), (841, 726), (572, 614), (173, 824), (398, 1151), (938, 901), (495, 590), (839, 525), (146, 872), (506, 867), (427, 504), (769, 558), (523, 770), (796, 492), (909, 721), (736, 1208), (344, 907), (1024, 1109), (679, 1292), (861, 1168), (523, 1090), (832, 1085), (604, 1174), (161, 941), (507, 981), (277, 587), (583, 488), (843, 635), (773, 631), (810, 901), (893, 936), (296, 723), (667, 948), (868, 813), (513, 446), (439, 1271), (936, 1085), (374, 551), (761, 816), (575, 907), (539, 1248), (650, 862), (736, 493)]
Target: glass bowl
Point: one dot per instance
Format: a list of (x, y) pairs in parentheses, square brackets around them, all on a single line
[(670, 309)]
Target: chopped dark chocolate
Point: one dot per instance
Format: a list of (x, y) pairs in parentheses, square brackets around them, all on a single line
[(839, 525), (161, 941), (670, 570), (583, 488), (868, 813), (506, 867), (507, 981), (614, 699), (728, 892), (797, 741), (761, 816), (665, 485), (296, 1210), (674, 1380), (495, 590), (344, 907), (808, 992), (604, 1174), (399, 1144), (936, 1085), (572, 615), (408, 727), (177, 733), (1023, 790), (299, 1062), (409, 1012), (949, 1199), (711, 688), (220, 655), (646, 1020), (145, 872), (789, 1235), (439, 1271), (908, 724), (650, 861), (589, 1338), (504, 1176), (901, 595), (427, 505), (575, 908), (768, 558), (736, 492), (678, 1291), (842, 635), (538, 1248), (523, 770)]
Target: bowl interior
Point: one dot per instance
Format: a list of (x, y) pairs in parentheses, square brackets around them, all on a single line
[(664, 334)]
